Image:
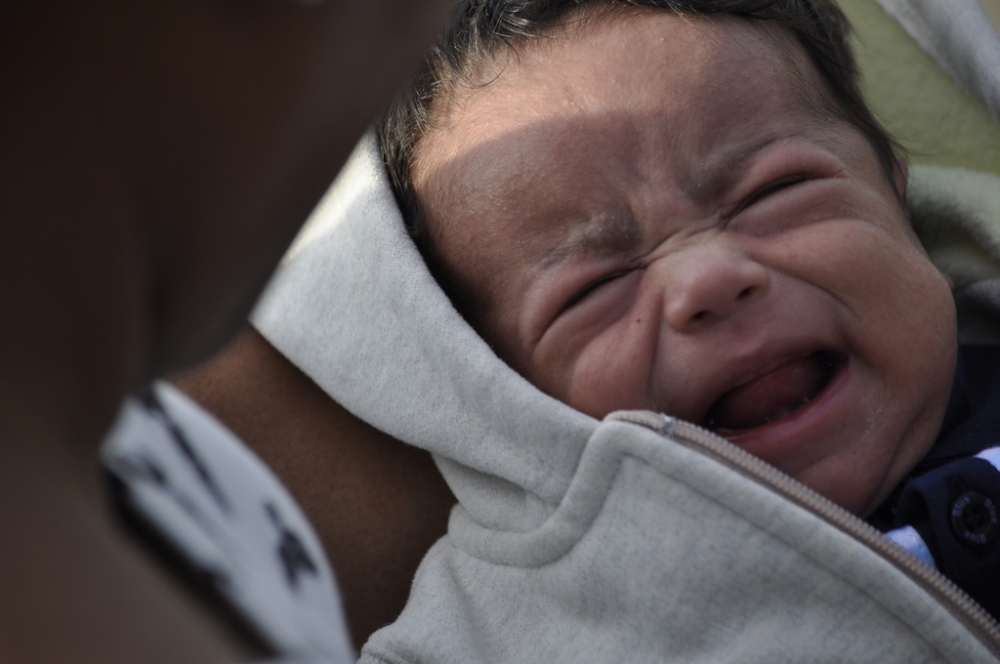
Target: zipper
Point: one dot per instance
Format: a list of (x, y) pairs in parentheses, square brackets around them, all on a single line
[(961, 606)]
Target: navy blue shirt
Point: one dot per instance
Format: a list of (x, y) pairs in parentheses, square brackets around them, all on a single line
[(951, 497)]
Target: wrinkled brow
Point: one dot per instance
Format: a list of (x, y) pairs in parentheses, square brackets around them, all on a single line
[(725, 168), (606, 235), (619, 232)]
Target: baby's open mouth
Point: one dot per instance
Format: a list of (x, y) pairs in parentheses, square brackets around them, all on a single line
[(775, 395)]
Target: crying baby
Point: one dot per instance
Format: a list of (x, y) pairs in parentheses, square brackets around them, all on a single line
[(643, 206)]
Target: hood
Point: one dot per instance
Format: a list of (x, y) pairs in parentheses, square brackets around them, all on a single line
[(354, 306)]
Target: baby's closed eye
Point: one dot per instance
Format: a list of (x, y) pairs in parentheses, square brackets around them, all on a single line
[(767, 190), (788, 204), (593, 286)]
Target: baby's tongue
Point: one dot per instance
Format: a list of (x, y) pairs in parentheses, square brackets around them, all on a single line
[(770, 397)]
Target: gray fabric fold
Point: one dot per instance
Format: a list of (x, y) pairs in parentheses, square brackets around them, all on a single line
[(660, 554), (956, 214), (355, 308), (960, 38)]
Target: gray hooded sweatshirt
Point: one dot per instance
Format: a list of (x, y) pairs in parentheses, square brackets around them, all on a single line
[(638, 538)]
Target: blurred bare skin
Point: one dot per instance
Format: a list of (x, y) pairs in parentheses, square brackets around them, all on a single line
[(157, 159), (376, 503)]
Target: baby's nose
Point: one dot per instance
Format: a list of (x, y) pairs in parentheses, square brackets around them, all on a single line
[(709, 284)]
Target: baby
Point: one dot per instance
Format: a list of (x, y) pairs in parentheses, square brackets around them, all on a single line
[(686, 207)]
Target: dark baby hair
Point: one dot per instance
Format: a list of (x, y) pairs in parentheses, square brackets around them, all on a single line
[(481, 30)]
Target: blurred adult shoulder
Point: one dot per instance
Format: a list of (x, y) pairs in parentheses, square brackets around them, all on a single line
[(157, 159)]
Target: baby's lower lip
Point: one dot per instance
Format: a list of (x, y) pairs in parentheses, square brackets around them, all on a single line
[(783, 442)]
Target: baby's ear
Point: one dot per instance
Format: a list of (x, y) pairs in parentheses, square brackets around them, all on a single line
[(900, 174)]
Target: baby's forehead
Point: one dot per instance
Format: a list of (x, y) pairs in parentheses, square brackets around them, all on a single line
[(534, 161), (518, 96)]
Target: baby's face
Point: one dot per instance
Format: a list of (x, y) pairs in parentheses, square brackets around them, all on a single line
[(654, 214)]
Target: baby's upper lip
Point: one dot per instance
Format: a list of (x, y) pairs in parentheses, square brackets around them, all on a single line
[(745, 367)]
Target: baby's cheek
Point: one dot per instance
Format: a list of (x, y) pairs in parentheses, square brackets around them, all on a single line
[(613, 371), (914, 339), (912, 310), (857, 487)]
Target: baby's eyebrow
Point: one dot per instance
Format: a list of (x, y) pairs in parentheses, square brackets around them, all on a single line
[(619, 232), (726, 167), (606, 235)]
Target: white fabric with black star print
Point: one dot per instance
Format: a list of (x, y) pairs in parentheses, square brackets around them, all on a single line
[(207, 495)]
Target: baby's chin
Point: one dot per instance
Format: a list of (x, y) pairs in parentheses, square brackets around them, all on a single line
[(859, 489)]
